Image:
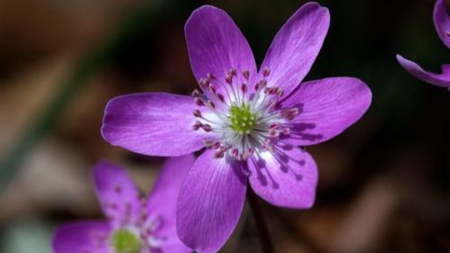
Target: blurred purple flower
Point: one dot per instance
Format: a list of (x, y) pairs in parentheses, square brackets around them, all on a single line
[(250, 121), (442, 25), (135, 224)]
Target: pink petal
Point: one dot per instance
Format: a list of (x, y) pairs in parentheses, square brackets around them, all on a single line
[(157, 124), (210, 202), (162, 201), (296, 46), (117, 194), (84, 236), (442, 21), (327, 107), (216, 45), (442, 79), (287, 177)]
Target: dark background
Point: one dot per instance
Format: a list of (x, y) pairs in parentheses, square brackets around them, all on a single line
[(384, 183)]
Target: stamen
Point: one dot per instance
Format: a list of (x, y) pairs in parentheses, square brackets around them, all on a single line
[(280, 92), (197, 125), (197, 113), (266, 72), (208, 144), (265, 144), (244, 88), (203, 83), (229, 79), (144, 216), (127, 210), (206, 127), (216, 145), (272, 104), (212, 88), (274, 133), (219, 154), (221, 97), (196, 93), (263, 83), (274, 125), (199, 101), (289, 113), (211, 105), (246, 74)]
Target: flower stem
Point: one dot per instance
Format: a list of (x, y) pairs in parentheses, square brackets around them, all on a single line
[(261, 225), (297, 233)]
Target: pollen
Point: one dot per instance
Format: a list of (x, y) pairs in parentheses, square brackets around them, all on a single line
[(124, 241), (242, 120)]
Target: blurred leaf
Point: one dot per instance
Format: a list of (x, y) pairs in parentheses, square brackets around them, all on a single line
[(27, 236)]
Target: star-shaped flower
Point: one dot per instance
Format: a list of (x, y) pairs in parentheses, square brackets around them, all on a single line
[(135, 224), (442, 24), (250, 121)]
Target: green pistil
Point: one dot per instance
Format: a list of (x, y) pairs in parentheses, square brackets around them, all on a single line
[(124, 241), (242, 119)]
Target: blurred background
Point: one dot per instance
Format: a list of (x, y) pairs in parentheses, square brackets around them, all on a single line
[(384, 184)]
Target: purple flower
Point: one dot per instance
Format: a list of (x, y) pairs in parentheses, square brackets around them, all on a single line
[(135, 224), (251, 122), (442, 25)]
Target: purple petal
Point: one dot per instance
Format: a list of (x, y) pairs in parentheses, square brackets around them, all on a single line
[(442, 21), (173, 246), (158, 124), (327, 107), (442, 79), (287, 177), (163, 199), (117, 194), (296, 46), (216, 45), (165, 191), (79, 237), (210, 202)]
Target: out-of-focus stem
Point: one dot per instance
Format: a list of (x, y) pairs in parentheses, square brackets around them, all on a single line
[(90, 65), (303, 238), (261, 225)]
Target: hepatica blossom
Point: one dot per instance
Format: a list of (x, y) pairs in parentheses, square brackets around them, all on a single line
[(135, 224), (249, 121), (442, 25)]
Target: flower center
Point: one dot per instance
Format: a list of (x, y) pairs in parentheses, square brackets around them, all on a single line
[(242, 119), (243, 114), (124, 241)]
